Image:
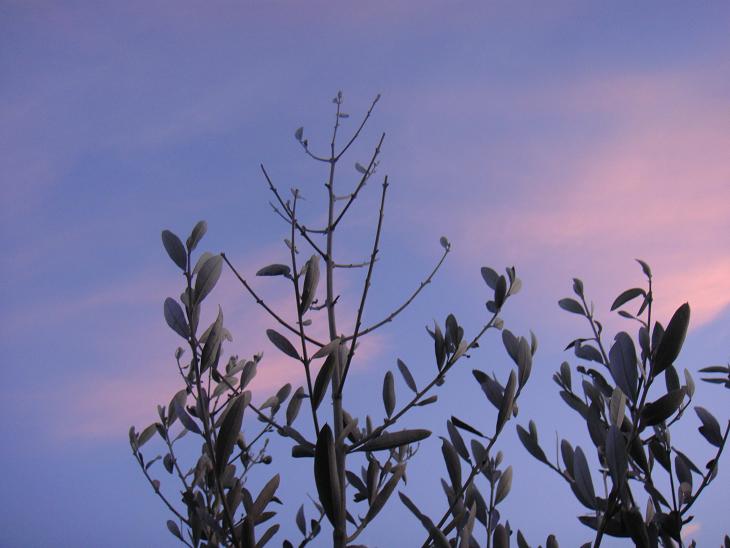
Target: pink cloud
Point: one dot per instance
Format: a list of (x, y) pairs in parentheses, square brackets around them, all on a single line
[(136, 378), (654, 183)]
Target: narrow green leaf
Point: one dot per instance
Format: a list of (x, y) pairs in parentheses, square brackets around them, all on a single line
[(275, 270), (500, 291), (174, 529), (407, 377), (524, 360), (199, 230), (531, 444), (301, 520), (710, 428), (265, 496), (428, 401), (583, 482), (212, 347), (436, 534), (267, 536), (229, 430), (490, 277), (311, 281), (186, 420), (147, 434), (571, 305), (201, 261), (645, 267), (384, 494), (175, 318), (175, 249), (616, 455), (389, 440), (617, 406), (457, 440), (500, 537), (504, 485), (327, 349), (627, 296), (324, 376), (465, 426), (295, 404), (623, 364), (389, 393), (566, 451), (208, 276), (453, 466), (505, 411), (282, 343), (672, 340), (325, 473), (439, 346), (660, 410)]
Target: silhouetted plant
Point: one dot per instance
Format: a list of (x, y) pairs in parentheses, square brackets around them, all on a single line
[(629, 416), (367, 461)]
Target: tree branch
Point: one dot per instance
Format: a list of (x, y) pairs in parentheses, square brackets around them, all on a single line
[(261, 302)]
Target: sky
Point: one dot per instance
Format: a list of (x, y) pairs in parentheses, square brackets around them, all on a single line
[(564, 138)]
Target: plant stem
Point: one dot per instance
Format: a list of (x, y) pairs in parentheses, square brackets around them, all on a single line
[(300, 312), (339, 534)]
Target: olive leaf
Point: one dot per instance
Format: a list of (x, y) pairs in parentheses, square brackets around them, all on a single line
[(229, 430), (311, 280), (672, 340), (175, 249), (175, 318), (571, 305), (275, 270), (325, 473), (199, 230), (390, 440), (207, 277), (407, 377), (282, 343), (389, 393)]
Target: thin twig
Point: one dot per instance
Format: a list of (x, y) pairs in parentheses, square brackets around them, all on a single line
[(266, 307), (159, 493), (352, 265), (706, 479), (300, 312), (361, 184), (283, 205), (366, 286), (410, 299), (359, 129), (417, 397), (209, 433)]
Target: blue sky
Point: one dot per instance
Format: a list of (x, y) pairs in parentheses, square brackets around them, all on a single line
[(566, 139)]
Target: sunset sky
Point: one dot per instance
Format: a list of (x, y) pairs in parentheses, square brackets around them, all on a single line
[(564, 138)]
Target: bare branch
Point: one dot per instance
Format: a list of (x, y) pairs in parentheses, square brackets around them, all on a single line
[(363, 180), (359, 129), (353, 265), (298, 226), (366, 286), (410, 299)]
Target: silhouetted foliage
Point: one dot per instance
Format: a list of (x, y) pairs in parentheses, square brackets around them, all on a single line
[(357, 465)]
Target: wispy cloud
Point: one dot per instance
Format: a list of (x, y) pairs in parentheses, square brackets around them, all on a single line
[(649, 180), (104, 402)]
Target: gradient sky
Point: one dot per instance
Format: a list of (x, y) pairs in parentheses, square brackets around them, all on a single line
[(562, 137)]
